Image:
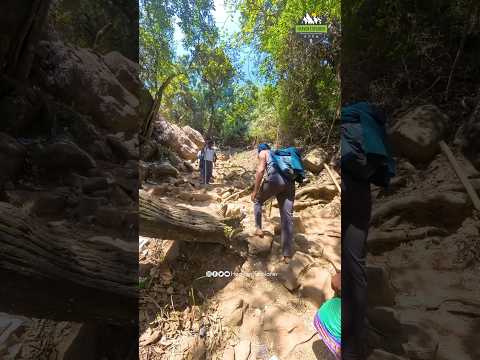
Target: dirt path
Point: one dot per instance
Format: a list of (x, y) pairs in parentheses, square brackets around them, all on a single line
[(425, 239), (264, 308)]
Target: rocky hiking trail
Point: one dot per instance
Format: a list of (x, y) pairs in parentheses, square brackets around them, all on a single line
[(68, 205), (267, 307), (428, 303), (424, 250)]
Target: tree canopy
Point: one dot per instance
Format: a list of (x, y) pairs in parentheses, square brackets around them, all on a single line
[(293, 99)]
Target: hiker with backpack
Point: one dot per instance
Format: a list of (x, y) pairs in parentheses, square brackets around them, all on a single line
[(276, 174), (206, 157), (365, 160)]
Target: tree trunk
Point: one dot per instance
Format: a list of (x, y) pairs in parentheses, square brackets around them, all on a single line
[(59, 277), (21, 58), (149, 121), (162, 219)]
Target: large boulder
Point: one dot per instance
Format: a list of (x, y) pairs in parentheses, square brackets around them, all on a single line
[(64, 157), (194, 136), (315, 159), (125, 70), (159, 171), (260, 245), (315, 286), (21, 108), (12, 157), (173, 136), (96, 92), (416, 134)]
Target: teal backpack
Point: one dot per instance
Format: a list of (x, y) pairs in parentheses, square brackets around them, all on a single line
[(289, 163)]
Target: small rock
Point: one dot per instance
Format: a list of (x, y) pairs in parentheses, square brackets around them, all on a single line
[(380, 293), (260, 246), (288, 274), (232, 311), (416, 134), (185, 196), (422, 342), (384, 319), (148, 150), (316, 286), (233, 210), (188, 166), (201, 197), (159, 171), (315, 159)]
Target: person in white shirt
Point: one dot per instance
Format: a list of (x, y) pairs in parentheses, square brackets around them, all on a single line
[(207, 158)]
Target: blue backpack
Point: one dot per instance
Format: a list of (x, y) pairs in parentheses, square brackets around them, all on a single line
[(365, 151), (289, 163)]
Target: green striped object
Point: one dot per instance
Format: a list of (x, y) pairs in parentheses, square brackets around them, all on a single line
[(330, 314)]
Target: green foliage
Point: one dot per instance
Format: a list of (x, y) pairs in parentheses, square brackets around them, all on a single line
[(265, 122), (155, 39), (238, 113), (298, 101), (305, 78), (407, 48), (78, 22)]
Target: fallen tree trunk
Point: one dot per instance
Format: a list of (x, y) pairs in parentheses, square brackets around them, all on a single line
[(59, 277), (239, 194), (330, 172), (300, 205), (461, 175), (162, 219), (451, 207), (475, 184), (380, 241), (317, 191)]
